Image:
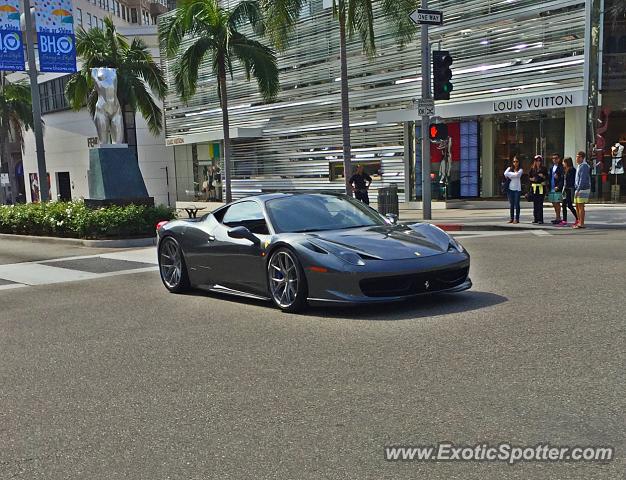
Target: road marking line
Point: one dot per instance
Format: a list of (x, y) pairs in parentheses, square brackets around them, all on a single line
[(12, 286), (36, 274), (541, 233), (144, 255), (121, 256)]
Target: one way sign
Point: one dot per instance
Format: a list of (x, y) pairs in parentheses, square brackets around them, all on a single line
[(427, 17)]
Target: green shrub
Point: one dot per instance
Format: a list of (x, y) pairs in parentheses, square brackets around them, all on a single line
[(74, 219)]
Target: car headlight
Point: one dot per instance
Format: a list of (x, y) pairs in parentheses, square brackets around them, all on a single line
[(351, 258), (454, 245)]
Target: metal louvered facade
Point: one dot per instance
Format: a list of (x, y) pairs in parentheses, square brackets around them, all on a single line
[(502, 49)]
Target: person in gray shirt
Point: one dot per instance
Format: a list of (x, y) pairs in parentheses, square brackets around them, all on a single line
[(582, 188)]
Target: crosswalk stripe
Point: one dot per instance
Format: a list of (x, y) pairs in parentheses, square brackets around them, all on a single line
[(42, 273), (37, 274), (11, 286)]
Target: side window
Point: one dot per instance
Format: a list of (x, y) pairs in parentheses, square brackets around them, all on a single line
[(247, 214)]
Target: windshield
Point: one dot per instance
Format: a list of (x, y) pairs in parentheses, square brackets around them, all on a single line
[(317, 211)]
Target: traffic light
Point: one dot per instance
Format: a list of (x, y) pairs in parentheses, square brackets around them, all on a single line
[(438, 131), (442, 74)]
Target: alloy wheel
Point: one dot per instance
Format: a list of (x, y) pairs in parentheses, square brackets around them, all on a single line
[(171, 264), (284, 279)]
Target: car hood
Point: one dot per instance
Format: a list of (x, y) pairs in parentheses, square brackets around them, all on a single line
[(388, 242)]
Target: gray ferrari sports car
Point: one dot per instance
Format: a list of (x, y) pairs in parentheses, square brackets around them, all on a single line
[(309, 248)]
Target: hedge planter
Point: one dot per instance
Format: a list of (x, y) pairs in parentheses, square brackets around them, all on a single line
[(75, 220)]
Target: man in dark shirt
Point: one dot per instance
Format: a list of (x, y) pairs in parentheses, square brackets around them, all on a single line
[(361, 182)]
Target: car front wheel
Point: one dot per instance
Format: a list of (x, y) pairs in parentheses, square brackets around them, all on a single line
[(287, 283)]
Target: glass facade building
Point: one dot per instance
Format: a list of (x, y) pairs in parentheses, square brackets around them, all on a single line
[(523, 84)]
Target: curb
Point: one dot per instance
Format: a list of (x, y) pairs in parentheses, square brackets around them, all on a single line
[(118, 243), (459, 227)]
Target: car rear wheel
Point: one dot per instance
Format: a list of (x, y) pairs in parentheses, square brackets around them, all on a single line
[(172, 266), (287, 283)]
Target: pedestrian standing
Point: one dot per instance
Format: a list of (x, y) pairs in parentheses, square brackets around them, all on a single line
[(360, 183), (568, 190), (555, 197), (582, 188), (537, 176), (514, 177)]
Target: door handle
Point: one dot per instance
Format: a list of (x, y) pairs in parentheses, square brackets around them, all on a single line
[(211, 238)]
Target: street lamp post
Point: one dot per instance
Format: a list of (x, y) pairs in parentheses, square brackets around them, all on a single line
[(36, 105)]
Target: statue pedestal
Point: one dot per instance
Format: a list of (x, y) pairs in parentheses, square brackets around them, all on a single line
[(115, 178)]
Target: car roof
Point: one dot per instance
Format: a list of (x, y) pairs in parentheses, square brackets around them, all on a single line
[(265, 197)]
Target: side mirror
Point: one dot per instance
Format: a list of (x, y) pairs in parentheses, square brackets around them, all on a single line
[(243, 232), (392, 217)]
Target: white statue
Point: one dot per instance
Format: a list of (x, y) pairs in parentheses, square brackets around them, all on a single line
[(108, 115)]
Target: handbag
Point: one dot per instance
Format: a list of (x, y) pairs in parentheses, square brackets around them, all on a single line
[(529, 195), (505, 186)]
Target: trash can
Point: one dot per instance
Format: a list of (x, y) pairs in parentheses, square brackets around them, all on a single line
[(388, 200)]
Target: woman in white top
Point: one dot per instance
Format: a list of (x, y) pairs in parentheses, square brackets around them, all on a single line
[(514, 176)]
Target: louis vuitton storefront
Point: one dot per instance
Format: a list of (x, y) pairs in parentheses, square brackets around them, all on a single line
[(484, 137)]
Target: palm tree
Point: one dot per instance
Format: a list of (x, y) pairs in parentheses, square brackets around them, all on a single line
[(201, 30), (355, 17), (139, 77), (16, 116)]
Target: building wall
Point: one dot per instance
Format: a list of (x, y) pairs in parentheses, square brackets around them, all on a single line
[(501, 49)]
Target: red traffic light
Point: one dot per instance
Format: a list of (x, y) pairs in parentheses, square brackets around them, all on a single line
[(438, 131)]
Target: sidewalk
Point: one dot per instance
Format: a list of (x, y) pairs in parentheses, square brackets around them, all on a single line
[(601, 216)]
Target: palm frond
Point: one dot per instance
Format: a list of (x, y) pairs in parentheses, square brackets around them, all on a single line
[(139, 60), (187, 67), (260, 62), (16, 130), (15, 111), (248, 11), (77, 89), (360, 19), (397, 12), (280, 19), (148, 107)]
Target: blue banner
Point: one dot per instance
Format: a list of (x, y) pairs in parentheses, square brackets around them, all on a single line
[(11, 45), (55, 34), (57, 52)]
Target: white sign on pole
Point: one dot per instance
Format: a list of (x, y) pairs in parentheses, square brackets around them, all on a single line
[(422, 111), (424, 106), (427, 17), (4, 179)]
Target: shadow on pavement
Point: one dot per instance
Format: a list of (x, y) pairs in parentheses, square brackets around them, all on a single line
[(420, 307)]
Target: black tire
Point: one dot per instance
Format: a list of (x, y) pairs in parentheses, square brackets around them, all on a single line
[(286, 282), (174, 275)]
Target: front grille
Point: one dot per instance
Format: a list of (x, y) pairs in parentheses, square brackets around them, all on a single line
[(413, 284)]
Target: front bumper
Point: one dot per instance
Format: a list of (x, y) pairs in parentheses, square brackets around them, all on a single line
[(363, 300), (349, 287)]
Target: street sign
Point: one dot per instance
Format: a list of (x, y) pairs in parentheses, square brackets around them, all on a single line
[(427, 17), (422, 111), (424, 106)]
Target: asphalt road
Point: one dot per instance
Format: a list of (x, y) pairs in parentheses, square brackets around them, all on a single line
[(115, 378)]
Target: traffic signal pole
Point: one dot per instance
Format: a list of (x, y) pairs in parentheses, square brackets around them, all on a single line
[(426, 190)]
